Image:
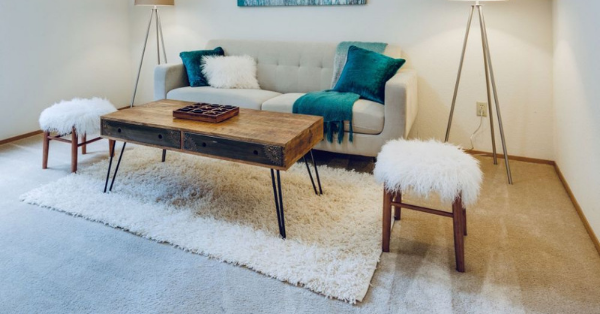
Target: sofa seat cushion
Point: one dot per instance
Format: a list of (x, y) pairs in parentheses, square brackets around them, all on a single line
[(367, 116), (243, 98)]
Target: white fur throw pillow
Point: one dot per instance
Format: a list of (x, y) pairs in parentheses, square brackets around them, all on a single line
[(230, 72)]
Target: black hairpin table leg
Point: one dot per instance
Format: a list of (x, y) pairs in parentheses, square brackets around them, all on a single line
[(310, 175), (316, 171), (164, 156), (109, 165), (278, 201), (116, 168)]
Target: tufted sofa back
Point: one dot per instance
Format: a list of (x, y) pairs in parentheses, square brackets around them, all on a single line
[(289, 67)]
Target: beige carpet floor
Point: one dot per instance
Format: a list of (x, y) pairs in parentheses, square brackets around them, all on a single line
[(527, 252)]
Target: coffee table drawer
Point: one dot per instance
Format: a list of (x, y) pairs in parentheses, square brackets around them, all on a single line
[(236, 150), (142, 134)]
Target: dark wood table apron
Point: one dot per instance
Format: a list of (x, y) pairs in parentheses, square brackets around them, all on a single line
[(266, 139)]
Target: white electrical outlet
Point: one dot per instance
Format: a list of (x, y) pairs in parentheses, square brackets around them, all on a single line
[(482, 109)]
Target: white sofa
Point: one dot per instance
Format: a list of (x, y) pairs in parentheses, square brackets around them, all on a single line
[(287, 70)]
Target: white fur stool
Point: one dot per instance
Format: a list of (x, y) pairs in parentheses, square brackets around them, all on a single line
[(75, 117), (425, 168)]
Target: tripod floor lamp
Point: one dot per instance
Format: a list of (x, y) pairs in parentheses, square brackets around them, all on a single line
[(489, 78), (159, 41), (159, 36)]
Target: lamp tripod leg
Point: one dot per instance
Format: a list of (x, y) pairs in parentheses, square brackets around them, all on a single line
[(160, 41), (137, 80), (460, 67), (155, 10), (489, 92), (497, 102), (162, 38)]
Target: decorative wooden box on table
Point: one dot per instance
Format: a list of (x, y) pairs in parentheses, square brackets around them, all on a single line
[(206, 112)]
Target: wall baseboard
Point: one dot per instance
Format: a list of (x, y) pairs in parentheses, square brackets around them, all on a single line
[(511, 157), (20, 137), (584, 220)]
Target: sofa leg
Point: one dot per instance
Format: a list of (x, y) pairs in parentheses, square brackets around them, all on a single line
[(459, 229), (386, 221), (46, 149), (74, 150)]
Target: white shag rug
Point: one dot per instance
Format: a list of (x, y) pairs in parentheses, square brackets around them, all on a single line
[(226, 210)]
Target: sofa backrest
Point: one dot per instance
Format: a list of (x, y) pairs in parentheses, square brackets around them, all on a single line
[(289, 67)]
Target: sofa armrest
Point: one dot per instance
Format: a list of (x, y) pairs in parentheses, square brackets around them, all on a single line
[(401, 104), (168, 77)]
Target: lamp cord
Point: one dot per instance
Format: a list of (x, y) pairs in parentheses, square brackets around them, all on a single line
[(475, 133)]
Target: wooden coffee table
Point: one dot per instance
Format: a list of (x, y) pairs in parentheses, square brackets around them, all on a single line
[(266, 139)]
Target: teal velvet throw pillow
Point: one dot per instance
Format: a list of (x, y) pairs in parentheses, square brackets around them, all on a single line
[(366, 73), (192, 60)]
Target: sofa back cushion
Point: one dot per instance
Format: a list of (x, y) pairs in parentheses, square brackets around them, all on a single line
[(289, 67)]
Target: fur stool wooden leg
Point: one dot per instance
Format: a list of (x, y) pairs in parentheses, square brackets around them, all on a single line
[(46, 150), (459, 234), (386, 221), (83, 144), (398, 210), (74, 144)]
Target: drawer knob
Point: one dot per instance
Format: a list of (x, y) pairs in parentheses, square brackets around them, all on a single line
[(256, 152), (160, 136), (203, 144), (119, 130)]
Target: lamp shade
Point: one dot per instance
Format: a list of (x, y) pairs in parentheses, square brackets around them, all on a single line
[(154, 2)]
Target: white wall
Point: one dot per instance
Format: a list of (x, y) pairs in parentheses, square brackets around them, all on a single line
[(53, 50), (577, 101), (431, 34)]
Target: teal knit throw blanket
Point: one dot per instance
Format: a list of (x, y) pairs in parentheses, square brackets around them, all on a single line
[(334, 107)]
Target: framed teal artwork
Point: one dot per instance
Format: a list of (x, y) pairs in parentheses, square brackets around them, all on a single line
[(269, 3)]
